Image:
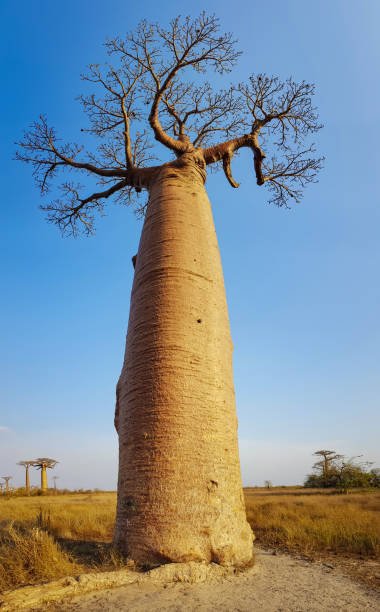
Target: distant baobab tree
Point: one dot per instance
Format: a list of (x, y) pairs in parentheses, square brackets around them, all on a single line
[(7, 479), (42, 463), (26, 465), (55, 478), (328, 458), (179, 490)]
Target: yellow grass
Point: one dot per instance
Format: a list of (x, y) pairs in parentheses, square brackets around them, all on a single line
[(49, 537), (311, 522), (44, 538), (31, 555)]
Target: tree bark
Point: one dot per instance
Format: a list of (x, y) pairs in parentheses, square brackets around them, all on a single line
[(180, 495), (27, 485), (43, 478)]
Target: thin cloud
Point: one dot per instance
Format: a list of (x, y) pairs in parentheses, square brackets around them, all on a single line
[(3, 428)]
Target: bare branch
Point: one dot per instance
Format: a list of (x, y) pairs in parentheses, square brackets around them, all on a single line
[(284, 108), (162, 54), (40, 148), (149, 88), (200, 113), (279, 115), (287, 178), (226, 149), (119, 105), (72, 212), (227, 170)]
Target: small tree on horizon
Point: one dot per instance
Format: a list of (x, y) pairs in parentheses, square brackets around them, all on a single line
[(326, 463), (6, 482), (179, 488), (341, 473), (26, 465)]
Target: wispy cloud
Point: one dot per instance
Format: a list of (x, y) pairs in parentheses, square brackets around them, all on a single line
[(3, 428)]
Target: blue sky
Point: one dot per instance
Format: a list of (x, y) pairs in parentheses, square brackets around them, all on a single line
[(302, 285)]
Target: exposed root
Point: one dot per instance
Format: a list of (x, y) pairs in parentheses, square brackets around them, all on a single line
[(33, 597)]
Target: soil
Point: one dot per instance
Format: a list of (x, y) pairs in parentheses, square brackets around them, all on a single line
[(277, 583)]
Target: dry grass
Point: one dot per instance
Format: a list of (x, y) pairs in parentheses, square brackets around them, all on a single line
[(309, 521), (49, 537), (31, 555), (87, 517)]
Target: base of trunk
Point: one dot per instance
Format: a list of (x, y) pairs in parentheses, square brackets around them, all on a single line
[(224, 538)]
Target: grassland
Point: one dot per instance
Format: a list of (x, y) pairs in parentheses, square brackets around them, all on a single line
[(43, 538), (310, 521)]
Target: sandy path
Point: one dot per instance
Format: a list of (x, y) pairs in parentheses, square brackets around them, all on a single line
[(276, 584)]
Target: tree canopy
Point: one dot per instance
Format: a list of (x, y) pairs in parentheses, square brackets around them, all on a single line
[(155, 87), (336, 471), (44, 462)]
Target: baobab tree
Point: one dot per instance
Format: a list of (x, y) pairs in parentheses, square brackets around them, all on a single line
[(179, 489), (44, 463), (26, 465), (6, 479), (328, 458), (55, 478)]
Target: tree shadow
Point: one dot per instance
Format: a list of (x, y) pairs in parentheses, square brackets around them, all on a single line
[(93, 554)]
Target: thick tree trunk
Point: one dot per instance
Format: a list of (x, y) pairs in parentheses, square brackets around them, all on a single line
[(27, 486), (43, 479), (180, 496)]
